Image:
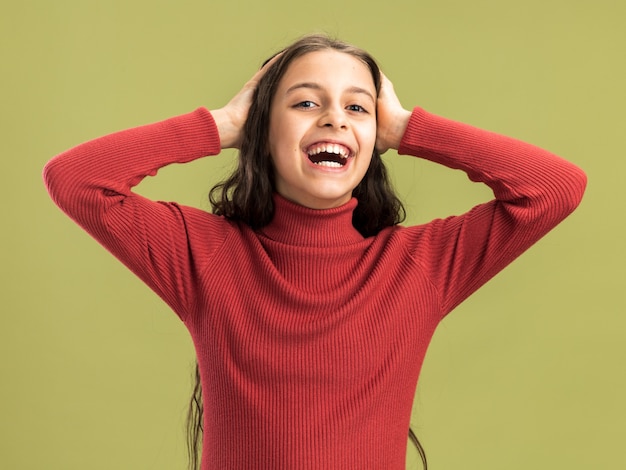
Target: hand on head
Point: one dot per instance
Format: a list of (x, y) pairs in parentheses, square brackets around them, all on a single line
[(231, 118), (392, 117)]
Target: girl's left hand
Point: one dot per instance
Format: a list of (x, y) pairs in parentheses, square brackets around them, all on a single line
[(392, 117)]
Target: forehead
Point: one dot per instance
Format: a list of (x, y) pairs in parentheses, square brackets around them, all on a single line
[(328, 68)]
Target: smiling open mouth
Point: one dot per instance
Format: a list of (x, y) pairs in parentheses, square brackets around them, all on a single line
[(329, 155)]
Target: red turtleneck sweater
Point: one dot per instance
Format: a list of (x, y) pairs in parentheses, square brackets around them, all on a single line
[(310, 338)]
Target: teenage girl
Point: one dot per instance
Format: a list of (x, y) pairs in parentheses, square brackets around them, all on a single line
[(309, 306)]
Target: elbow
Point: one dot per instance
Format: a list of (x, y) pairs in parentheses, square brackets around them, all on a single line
[(554, 199), (52, 178), (573, 188), (564, 195), (61, 182)]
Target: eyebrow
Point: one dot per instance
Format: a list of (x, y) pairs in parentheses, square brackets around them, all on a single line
[(315, 86)]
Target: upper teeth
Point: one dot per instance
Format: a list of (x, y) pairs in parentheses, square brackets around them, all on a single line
[(337, 149)]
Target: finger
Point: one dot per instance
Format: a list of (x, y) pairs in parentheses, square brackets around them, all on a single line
[(385, 83), (257, 76), (383, 77)]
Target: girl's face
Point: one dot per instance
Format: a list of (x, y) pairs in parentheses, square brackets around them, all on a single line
[(322, 128)]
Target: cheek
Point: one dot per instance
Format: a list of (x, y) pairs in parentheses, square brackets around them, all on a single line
[(283, 136), (367, 137), (283, 153)]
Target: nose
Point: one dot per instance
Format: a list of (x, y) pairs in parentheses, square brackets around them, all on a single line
[(334, 117)]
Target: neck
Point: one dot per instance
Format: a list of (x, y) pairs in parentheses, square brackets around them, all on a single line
[(294, 224)]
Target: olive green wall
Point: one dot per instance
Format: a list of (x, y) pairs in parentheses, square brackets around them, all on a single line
[(528, 373)]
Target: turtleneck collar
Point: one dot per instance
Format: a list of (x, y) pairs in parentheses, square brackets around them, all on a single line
[(294, 224)]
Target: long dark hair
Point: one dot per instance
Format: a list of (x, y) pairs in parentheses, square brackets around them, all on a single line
[(247, 195)]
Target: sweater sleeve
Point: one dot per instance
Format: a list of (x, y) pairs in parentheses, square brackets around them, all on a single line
[(92, 183), (534, 190)]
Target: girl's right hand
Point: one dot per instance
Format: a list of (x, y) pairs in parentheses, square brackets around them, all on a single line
[(231, 118)]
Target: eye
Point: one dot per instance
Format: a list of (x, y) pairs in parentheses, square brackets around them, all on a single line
[(305, 104), (356, 108)]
